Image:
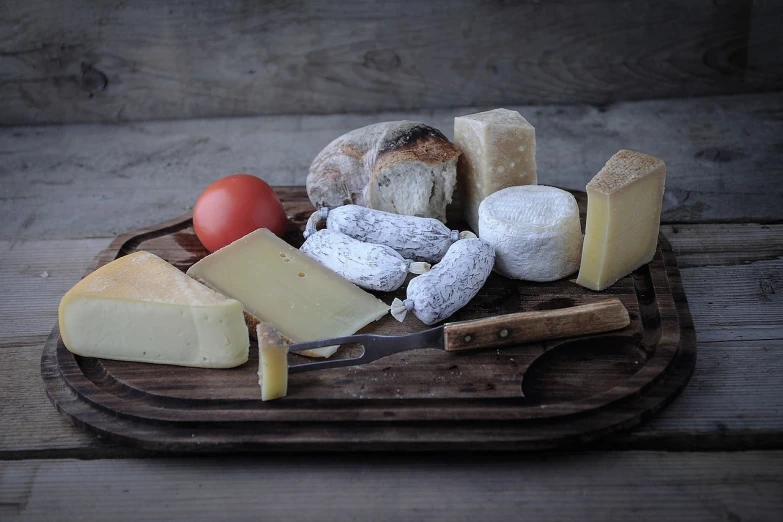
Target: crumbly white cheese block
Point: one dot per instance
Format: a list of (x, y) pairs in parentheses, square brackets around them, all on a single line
[(278, 284), (272, 362), (450, 285), (370, 266), (498, 151), (535, 232), (623, 216), (416, 238), (140, 308)]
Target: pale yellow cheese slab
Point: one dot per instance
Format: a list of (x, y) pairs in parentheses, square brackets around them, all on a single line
[(272, 363), (498, 151), (278, 284), (141, 308), (623, 217)]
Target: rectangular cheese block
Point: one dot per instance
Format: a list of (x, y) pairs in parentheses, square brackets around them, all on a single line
[(272, 362), (280, 285), (498, 151), (140, 308), (623, 216)]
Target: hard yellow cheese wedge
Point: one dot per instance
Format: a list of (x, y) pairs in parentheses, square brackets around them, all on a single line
[(623, 216), (272, 362), (140, 308), (280, 285)]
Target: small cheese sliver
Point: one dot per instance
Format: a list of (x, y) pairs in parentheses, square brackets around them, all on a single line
[(280, 285), (272, 362), (140, 308), (623, 216), (535, 231), (498, 151)]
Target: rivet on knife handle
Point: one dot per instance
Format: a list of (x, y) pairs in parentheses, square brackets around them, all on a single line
[(525, 327)]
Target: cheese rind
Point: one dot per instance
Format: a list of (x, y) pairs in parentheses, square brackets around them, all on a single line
[(278, 284), (140, 308), (272, 362), (623, 217), (498, 151), (535, 231)]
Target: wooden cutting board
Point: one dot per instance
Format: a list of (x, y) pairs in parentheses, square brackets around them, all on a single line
[(542, 395)]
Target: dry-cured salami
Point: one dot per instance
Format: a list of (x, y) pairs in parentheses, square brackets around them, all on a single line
[(436, 295), (370, 266)]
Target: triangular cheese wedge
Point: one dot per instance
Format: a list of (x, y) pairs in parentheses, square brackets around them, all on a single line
[(623, 217), (141, 308), (288, 289)]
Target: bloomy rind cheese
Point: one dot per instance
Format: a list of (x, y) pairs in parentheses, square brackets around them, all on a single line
[(534, 230), (623, 217), (140, 308)]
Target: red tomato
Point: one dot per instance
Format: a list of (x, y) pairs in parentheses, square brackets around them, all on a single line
[(233, 207)]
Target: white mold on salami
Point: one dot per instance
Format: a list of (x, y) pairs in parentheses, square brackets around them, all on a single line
[(374, 267), (420, 239), (450, 285)]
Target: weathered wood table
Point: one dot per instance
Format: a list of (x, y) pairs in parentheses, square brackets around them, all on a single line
[(715, 454)]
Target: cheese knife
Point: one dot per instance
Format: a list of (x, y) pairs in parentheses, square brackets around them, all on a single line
[(489, 332)]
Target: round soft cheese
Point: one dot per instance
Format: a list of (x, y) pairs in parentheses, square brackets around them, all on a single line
[(535, 232)]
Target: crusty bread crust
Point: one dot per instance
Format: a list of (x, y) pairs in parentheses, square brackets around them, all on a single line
[(353, 168), (417, 143)]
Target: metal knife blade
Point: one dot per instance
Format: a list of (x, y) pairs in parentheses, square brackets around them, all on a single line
[(375, 347), (501, 330)]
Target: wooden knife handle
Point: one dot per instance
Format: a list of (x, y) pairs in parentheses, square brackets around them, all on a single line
[(525, 327)]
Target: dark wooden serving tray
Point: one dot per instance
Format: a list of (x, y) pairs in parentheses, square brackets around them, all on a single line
[(542, 395)]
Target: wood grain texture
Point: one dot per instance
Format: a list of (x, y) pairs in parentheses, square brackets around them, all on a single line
[(734, 399), (33, 277), (413, 401), (525, 327), (28, 302), (30, 425), (78, 61), (722, 156), (593, 486), (733, 402), (747, 304)]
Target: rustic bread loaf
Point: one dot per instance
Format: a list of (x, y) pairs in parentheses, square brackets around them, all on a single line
[(405, 167)]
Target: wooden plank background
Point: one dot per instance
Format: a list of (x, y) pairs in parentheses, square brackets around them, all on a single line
[(89, 61), (581, 486), (722, 156), (66, 190), (732, 274)]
